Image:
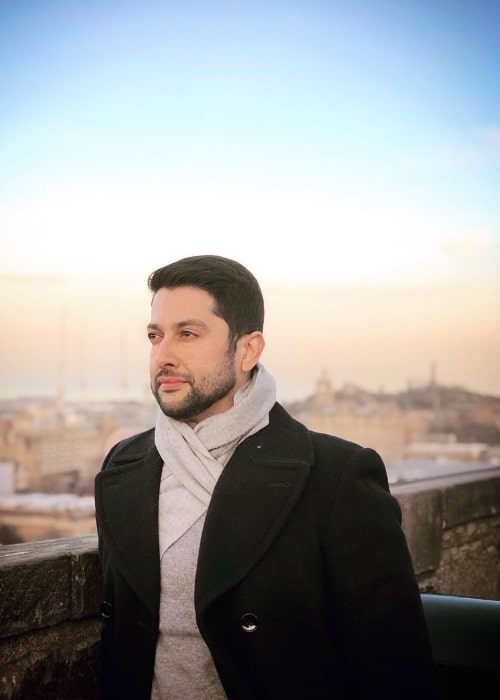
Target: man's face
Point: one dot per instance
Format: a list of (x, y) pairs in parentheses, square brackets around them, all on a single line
[(194, 374)]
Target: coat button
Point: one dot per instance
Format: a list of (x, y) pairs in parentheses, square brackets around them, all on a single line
[(106, 609), (249, 622)]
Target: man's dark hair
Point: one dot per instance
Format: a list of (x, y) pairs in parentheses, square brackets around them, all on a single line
[(237, 295)]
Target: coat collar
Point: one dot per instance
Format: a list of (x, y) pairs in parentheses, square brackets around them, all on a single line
[(254, 496), (127, 506)]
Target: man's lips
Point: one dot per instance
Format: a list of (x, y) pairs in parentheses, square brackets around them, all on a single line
[(169, 383)]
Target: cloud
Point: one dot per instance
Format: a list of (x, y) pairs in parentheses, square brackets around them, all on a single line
[(466, 245), (283, 234)]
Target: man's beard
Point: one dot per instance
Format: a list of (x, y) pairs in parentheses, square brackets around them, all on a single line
[(209, 389)]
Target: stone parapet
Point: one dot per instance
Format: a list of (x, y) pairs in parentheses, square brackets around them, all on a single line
[(49, 626), (452, 525), (50, 591)]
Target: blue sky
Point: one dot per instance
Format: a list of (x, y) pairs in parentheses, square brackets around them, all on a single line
[(351, 143), (378, 104)]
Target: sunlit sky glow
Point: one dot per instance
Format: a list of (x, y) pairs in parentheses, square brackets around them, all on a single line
[(347, 152)]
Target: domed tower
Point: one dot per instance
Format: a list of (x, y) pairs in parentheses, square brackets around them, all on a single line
[(324, 396)]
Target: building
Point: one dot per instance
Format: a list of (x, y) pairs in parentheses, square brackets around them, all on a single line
[(355, 414)]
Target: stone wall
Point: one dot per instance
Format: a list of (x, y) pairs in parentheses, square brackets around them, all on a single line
[(50, 591), (453, 530), (49, 626)]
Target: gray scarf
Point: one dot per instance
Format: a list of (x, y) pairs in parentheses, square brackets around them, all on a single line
[(193, 458)]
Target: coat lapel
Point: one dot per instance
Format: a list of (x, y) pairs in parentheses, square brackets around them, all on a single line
[(127, 497), (254, 496)]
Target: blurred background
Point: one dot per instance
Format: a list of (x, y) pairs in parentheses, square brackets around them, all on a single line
[(347, 152)]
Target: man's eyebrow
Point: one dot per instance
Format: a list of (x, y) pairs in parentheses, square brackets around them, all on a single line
[(180, 324)]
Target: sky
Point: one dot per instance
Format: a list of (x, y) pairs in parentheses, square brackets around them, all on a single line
[(347, 152)]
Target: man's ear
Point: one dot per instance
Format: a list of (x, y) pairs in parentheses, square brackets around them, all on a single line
[(253, 345)]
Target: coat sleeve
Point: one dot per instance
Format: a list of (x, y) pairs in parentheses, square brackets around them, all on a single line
[(373, 588)]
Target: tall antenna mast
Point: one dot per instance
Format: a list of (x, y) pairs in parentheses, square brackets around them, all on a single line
[(61, 368), (82, 368), (123, 363)]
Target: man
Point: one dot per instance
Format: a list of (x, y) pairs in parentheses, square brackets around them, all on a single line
[(244, 556)]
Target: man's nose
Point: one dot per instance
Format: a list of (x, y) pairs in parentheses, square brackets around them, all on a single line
[(165, 355)]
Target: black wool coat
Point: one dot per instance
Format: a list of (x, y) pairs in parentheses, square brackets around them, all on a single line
[(304, 590)]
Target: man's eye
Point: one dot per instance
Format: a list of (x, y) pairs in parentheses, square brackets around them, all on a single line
[(188, 334), (152, 336)]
